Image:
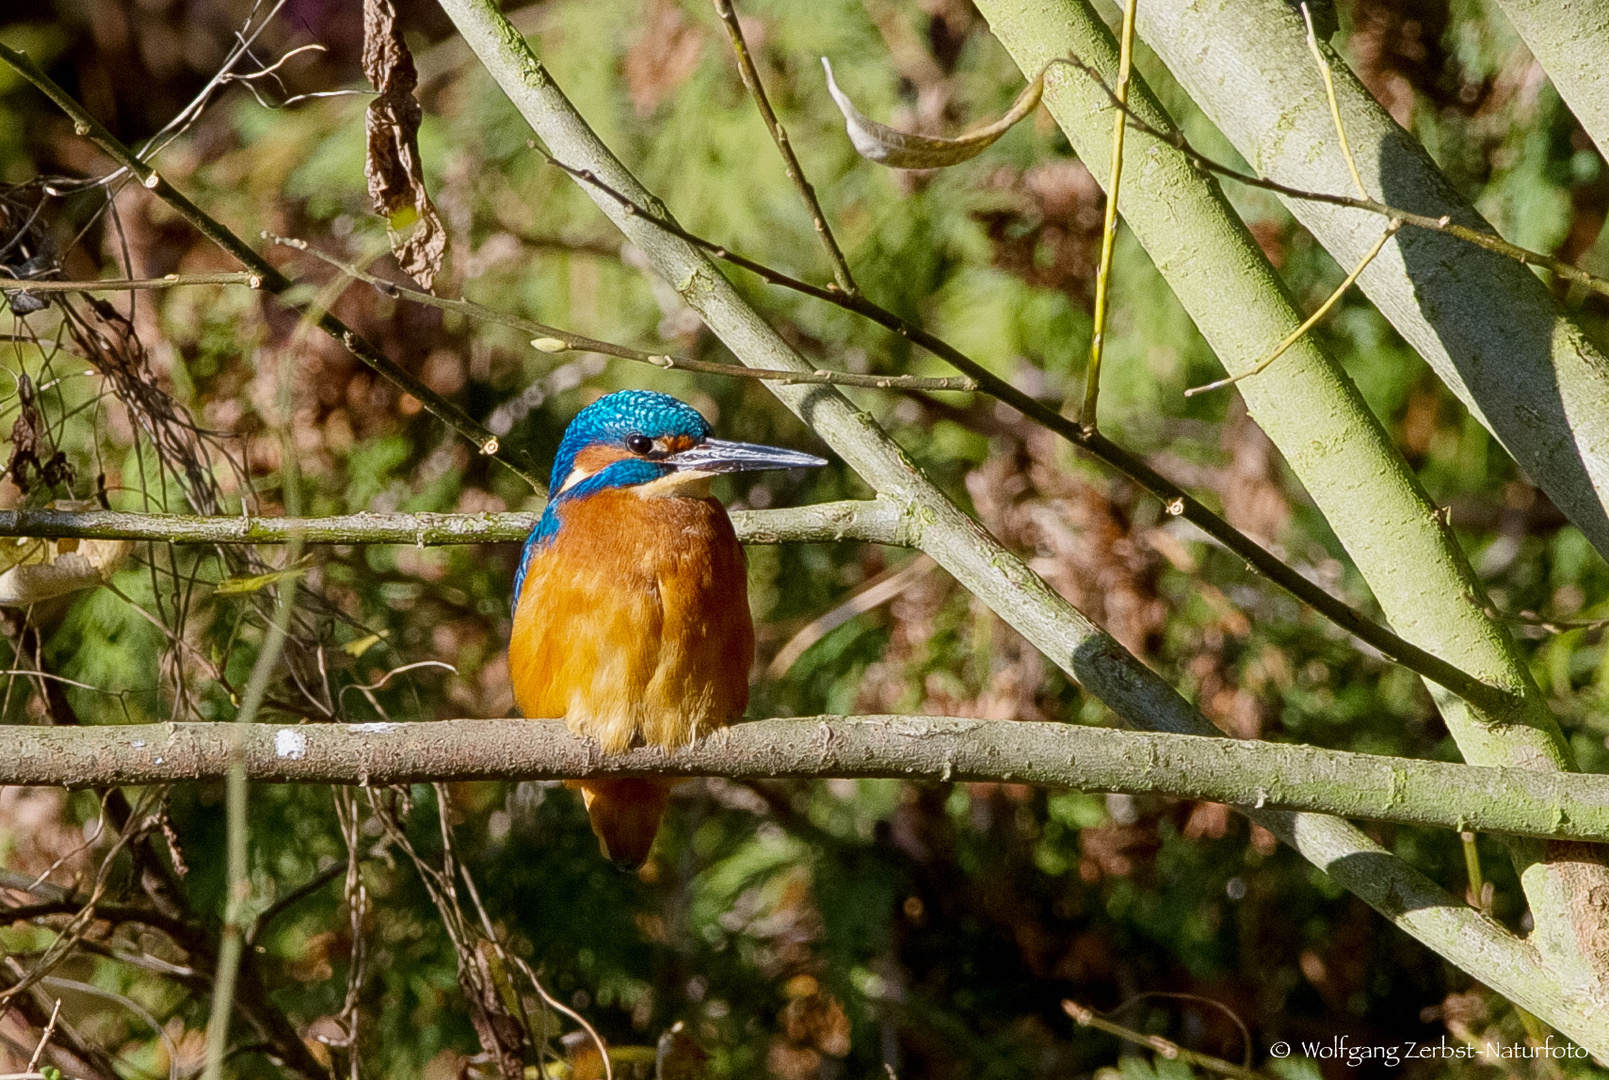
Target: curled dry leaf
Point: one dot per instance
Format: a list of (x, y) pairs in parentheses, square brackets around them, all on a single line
[(29, 440), (901, 150), (32, 569), (396, 178)]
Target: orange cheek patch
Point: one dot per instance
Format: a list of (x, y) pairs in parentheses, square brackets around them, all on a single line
[(591, 460), (675, 444), (594, 459)]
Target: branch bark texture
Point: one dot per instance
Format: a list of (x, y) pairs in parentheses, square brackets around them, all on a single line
[(995, 575), (876, 521), (1239, 772), (1307, 404), (1485, 323)]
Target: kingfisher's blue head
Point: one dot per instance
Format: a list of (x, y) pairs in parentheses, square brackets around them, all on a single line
[(635, 437)]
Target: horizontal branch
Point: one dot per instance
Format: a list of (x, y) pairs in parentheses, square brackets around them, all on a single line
[(550, 339), (1241, 773), (172, 281), (875, 521)]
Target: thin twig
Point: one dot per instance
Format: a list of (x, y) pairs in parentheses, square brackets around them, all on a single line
[(1175, 499), (1480, 891), (1166, 1047), (44, 1038), (1335, 106), (172, 281), (1443, 224), (1097, 341), (295, 896), (1541, 622), (272, 280), (1307, 324), (751, 80), (551, 339)]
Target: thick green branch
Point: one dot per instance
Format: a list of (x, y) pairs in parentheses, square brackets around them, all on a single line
[(875, 521), (1485, 323), (1176, 499), (1491, 331), (1308, 406), (1239, 772), (1572, 43), (997, 577)]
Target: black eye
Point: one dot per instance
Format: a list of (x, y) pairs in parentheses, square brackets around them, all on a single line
[(639, 444)]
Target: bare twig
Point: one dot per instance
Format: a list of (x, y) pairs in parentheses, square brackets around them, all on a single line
[(1166, 1047), (1097, 342), (751, 80), (551, 339), (1542, 622), (869, 596), (1175, 499), (44, 1037), (172, 281), (1443, 224), (295, 896), (272, 280), (1335, 106), (1307, 324)]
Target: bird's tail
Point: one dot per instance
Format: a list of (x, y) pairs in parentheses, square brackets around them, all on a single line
[(625, 814)]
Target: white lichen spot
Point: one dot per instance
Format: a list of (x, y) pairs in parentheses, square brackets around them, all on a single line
[(290, 743), (375, 728)]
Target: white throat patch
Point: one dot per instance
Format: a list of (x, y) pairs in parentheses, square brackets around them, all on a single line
[(686, 483), (576, 476)]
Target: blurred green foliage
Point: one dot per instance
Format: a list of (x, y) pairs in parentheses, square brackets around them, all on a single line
[(804, 930)]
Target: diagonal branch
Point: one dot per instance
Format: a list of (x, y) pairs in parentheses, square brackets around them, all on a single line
[(779, 135), (997, 577), (1103, 278), (554, 340), (1491, 331), (1486, 324), (1177, 501), (1490, 241)]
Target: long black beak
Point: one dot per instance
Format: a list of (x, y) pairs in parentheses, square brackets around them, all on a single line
[(721, 456)]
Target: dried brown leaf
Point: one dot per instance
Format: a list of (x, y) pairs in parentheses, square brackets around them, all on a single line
[(29, 441), (393, 168), (33, 570), (903, 150)]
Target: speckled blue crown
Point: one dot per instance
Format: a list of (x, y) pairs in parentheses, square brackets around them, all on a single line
[(614, 416)]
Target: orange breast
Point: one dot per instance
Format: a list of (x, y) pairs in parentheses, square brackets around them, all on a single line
[(633, 623)]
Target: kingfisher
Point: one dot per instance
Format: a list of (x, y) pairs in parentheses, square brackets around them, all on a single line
[(631, 608)]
